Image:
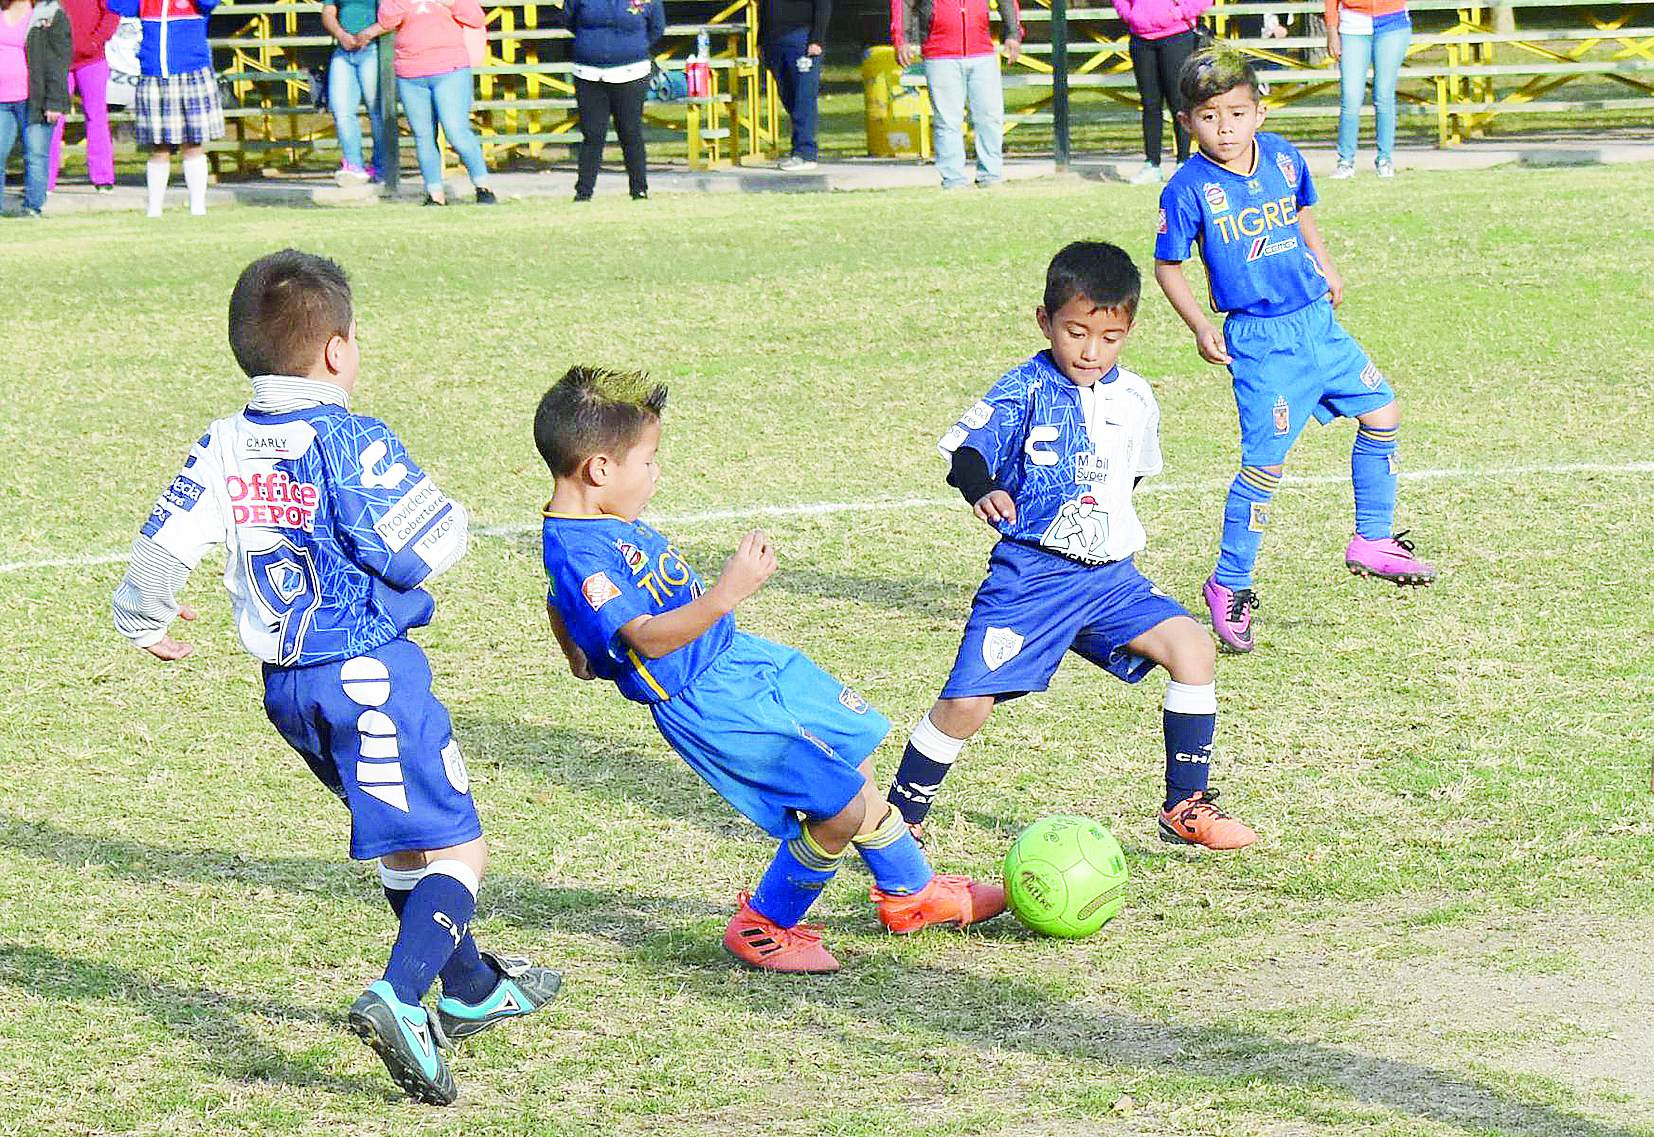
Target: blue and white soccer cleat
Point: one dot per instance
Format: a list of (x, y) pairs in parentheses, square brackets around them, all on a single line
[(402, 1037), (523, 988)]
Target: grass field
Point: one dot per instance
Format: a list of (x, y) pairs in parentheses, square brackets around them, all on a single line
[(1444, 929)]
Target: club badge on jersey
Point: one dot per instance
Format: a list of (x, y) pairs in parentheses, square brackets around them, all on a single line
[(1069, 456)]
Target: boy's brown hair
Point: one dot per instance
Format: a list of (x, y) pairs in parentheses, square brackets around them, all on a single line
[(284, 309), (1214, 71), (594, 410)]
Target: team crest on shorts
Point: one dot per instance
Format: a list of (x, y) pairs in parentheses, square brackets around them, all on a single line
[(852, 701), (1288, 168), (453, 764), (1371, 377), (598, 590), (999, 647), (635, 557), (1283, 416), (1215, 197)]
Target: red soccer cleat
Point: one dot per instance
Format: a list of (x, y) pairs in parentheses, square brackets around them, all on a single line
[(956, 900), (1196, 821), (760, 943)]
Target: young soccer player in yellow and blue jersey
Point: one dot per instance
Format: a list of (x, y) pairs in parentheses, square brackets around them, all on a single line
[(1050, 458), (781, 740), (1246, 198)]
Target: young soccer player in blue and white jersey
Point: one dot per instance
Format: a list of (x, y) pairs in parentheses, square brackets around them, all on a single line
[(1050, 458), (330, 530), (1245, 197), (782, 741)]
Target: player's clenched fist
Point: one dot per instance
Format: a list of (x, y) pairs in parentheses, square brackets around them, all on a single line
[(749, 566), (995, 507)]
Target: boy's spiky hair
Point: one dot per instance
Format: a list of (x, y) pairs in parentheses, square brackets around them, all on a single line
[(1214, 71), (594, 410)]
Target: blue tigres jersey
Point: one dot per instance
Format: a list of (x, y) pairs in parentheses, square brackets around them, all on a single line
[(329, 528), (1069, 456), (1247, 227), (604, 572)]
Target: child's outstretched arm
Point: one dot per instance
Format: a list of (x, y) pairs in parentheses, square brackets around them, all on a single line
[(1313, 242), (752, 563), (579, 666), (969, 474), (1208, 340), (146, 601)]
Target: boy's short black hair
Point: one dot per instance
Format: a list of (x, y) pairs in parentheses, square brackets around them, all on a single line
[(1102, 273), (284, 309), (1214, 71), (594, 410)]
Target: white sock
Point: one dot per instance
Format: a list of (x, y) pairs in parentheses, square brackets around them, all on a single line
[(195, 177), (927, 738), (1191, 698), (156, 171)]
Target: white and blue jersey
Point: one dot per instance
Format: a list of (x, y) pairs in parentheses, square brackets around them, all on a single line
[(775, 735), (1069, 456), (1247, 229)]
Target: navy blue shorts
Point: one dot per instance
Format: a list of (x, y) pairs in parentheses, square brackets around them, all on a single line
[(1288, 368), (774, 734), (373, 732), (1034, 606)]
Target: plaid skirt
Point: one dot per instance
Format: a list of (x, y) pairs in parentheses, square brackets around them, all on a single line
[(178, 110)]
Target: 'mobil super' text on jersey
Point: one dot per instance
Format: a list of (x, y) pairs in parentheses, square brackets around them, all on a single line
[(329, 529), (1069, 456), (1247, 227), (604, 572)]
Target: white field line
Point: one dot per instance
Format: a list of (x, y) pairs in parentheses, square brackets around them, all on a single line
[(823, 508)]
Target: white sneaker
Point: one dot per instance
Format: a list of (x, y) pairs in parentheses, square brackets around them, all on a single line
[(348, 175), (793, 162), (1147, 174), (1386, 168), (1344, 170)]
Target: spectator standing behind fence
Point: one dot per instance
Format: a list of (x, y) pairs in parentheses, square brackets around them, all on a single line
[(961, 66), (352, 82), (1162, 37), (93, 24), (792, 33), (612, 42), (1364, 34), (35, 46), (433, 80), (175, 101)]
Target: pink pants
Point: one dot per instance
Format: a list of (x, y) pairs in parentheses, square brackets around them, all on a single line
[(91, 81)]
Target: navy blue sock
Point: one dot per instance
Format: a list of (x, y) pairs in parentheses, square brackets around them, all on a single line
[(797, 874), (466, 976), (1373, 474), (929, 756), (434, 917), (1189, 719), (1245, 513), (893, 857)]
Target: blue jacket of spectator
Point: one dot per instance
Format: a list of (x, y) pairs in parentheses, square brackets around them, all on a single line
[(609, 33), (174, 34)]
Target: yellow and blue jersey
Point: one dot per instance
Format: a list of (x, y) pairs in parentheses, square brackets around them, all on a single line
[(1247, 228), (604, 572)]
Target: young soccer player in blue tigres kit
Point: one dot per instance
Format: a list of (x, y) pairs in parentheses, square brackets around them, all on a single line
[(1245, 197), (330, 529), (1050, 458), (782, 741)]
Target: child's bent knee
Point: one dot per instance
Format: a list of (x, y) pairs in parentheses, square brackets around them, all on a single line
[(962, 717)]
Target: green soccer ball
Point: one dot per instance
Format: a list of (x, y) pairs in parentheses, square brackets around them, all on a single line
[(1065, 876)]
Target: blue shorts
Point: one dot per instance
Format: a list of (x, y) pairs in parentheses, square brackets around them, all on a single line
[(774, 734), (1287, 368), (371, 730), (1034, 606)]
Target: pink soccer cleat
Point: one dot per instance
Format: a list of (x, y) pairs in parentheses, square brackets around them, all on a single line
[(1388, 558), (1231, 614)]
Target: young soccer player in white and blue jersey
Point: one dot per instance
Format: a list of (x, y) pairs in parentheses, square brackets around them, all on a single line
[(782, 741), (330, 530), (1050, 458), (1245, 197)]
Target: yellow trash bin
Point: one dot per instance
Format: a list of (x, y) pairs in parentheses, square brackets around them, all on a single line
[(898, 115)]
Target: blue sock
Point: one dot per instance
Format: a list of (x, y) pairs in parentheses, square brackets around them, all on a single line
[(434, 916), (1373, 473), (1245, 513), (929, 756), (1190, 719), (465, 976), (800, 870), (897, 863)]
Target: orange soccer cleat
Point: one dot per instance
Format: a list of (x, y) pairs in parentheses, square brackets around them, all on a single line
[(956, 900), (760, 943), (1196, 821)]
